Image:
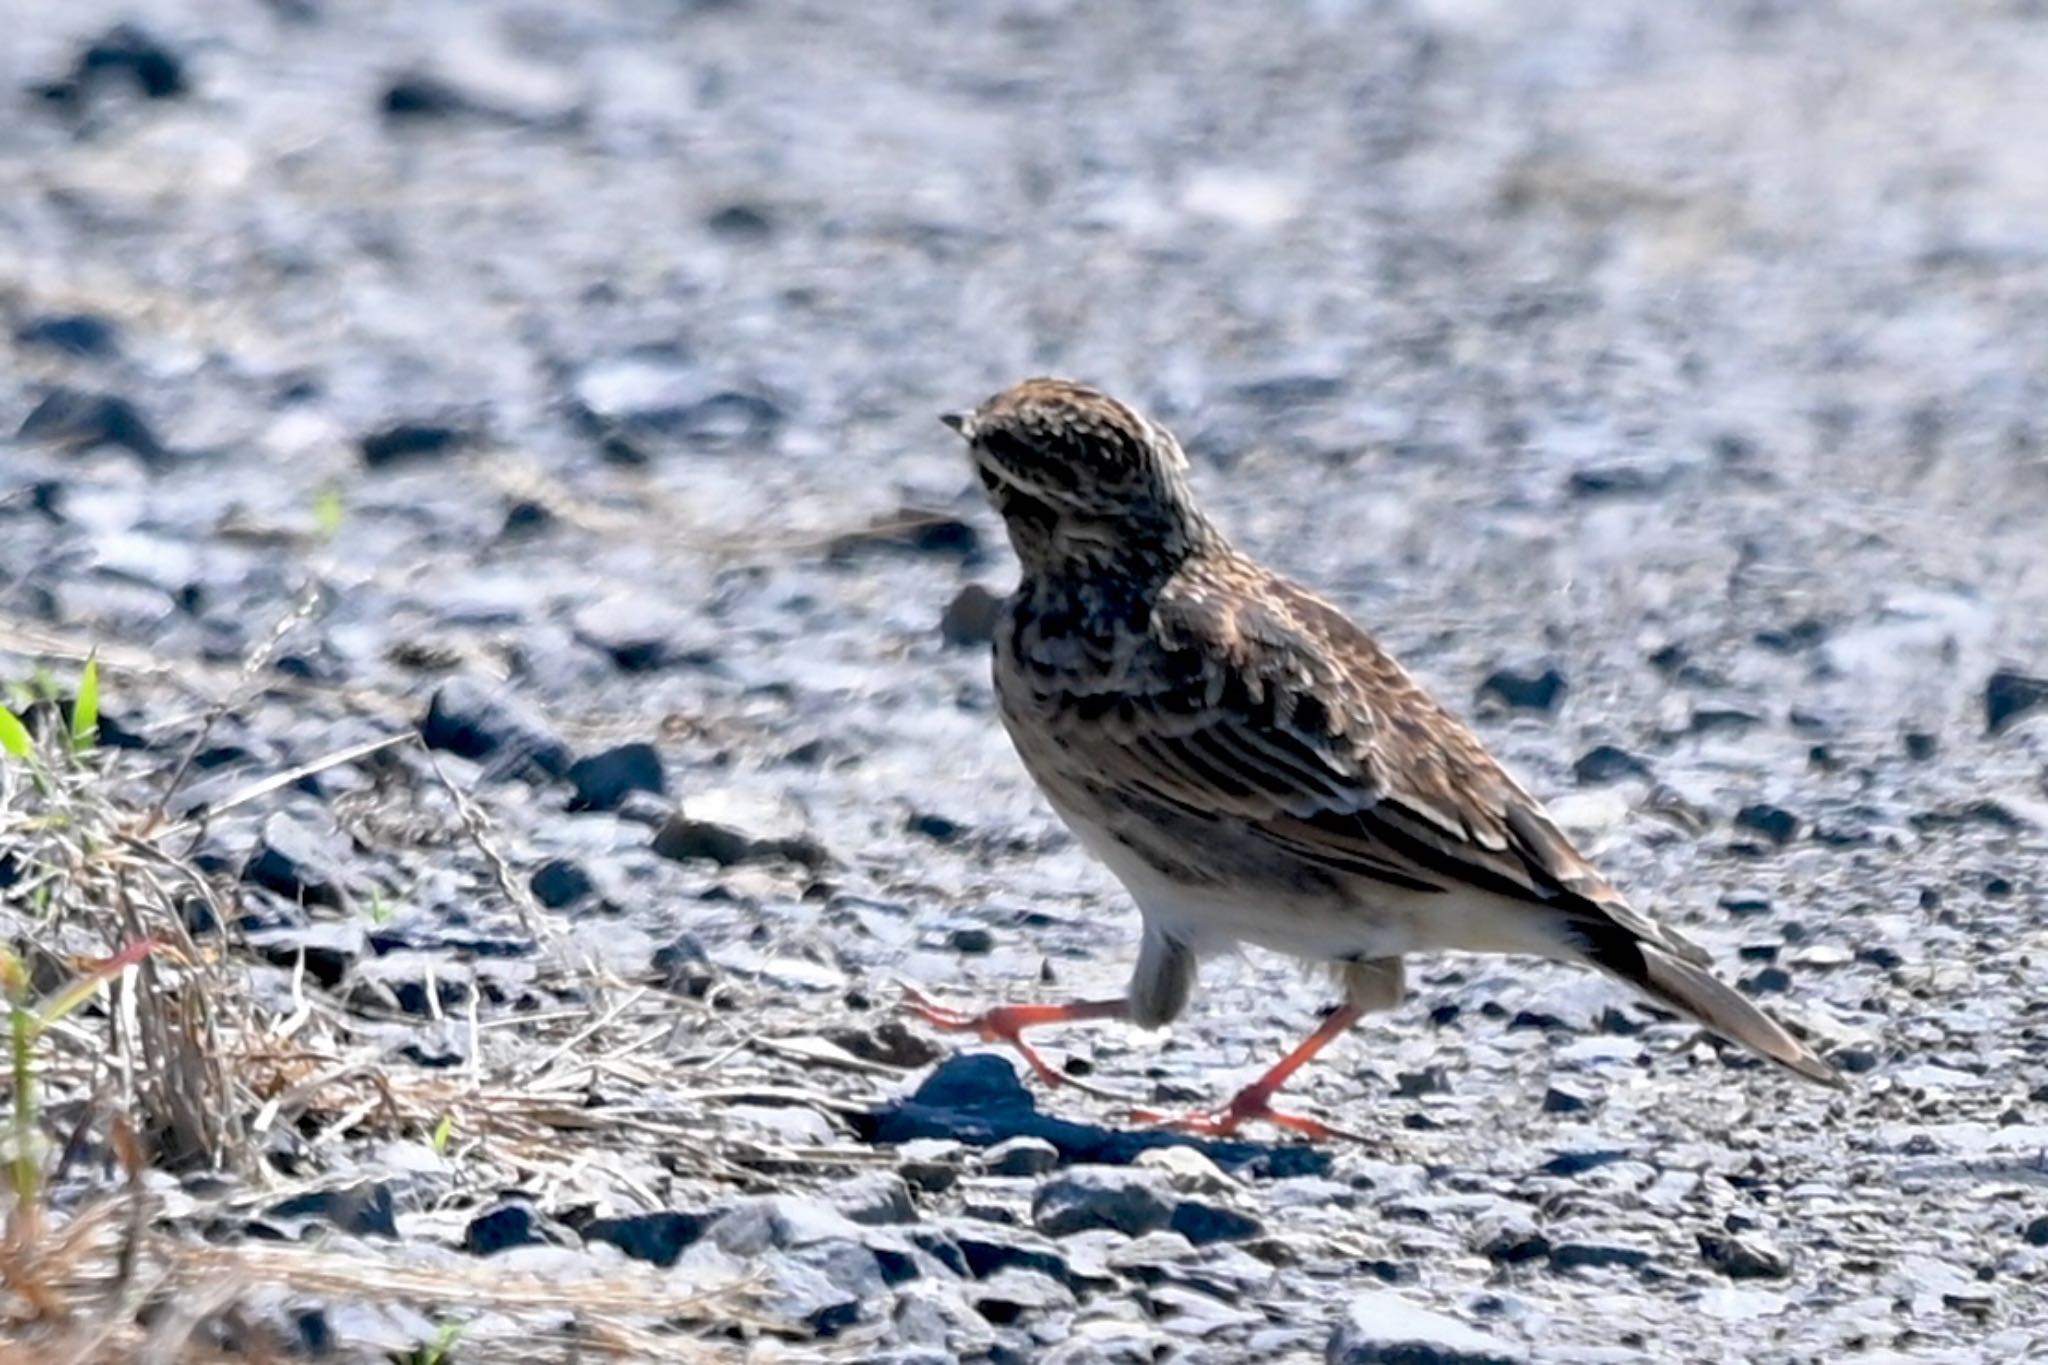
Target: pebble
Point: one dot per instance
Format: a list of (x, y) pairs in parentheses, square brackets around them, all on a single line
[(1744, 1256), (79, 421), (603, 780), (478, 720), (1383, 1328), (413, 442), (1133, 1202), (365, 1209), (1021, 1156), (1534, 687), (2011, 696)]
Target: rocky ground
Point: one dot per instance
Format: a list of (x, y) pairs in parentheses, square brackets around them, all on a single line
[(1665, 382)]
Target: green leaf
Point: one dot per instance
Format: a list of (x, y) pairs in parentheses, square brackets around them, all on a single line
[(14, 735), (328, 511), (443, 1131), (85, 712)]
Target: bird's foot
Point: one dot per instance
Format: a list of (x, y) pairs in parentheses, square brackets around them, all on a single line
[(1002, 1024), (1251, 1103)]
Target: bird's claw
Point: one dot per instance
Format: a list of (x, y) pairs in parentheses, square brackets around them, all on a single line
[(1248, 1106)]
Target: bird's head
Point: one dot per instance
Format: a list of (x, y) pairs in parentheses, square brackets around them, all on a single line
[(1078, 476)]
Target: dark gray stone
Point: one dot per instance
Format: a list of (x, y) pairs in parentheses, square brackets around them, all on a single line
[(1133, 1202), (1526, 688), (2009, 697), (603, 780), (1744, 1256), (76, 420), (302, 864), (1383, 1328), (365, 1209), (478, 720), (561, 882)]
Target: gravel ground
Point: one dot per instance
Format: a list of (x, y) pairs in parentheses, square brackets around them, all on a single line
[(1663, 381)]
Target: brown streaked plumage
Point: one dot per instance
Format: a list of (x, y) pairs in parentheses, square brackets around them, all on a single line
[(1254, 767)]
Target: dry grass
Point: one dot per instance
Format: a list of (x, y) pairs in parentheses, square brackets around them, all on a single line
[(176, 1067)]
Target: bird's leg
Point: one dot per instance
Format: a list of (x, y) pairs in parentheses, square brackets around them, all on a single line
[(1255, 1100), (1006, 1023)]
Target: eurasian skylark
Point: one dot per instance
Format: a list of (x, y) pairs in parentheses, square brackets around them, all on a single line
[(1254, 768)]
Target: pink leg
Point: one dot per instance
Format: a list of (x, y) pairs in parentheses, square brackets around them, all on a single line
[(1255, 1100), (1006, 1023)]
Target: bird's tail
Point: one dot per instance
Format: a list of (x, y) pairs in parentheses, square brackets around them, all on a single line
[(1694, 991)]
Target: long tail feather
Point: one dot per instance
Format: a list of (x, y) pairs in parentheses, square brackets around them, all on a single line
[(1705, 997)]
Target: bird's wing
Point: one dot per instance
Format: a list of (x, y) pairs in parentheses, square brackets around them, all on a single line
[(1274, 707)]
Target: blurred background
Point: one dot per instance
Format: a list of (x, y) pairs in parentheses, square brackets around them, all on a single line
[(1666, 382)]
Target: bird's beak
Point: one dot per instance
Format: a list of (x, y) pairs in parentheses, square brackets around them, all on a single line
[(957, 420)]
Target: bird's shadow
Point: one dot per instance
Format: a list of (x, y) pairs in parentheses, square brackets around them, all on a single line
[(978, 1099)]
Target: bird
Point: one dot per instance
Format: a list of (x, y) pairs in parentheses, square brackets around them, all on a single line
[(1255, 768)]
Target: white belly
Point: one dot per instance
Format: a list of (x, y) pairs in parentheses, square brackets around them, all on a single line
[(1358, 920), (1207, 920)]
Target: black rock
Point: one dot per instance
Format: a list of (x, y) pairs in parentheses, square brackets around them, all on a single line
[(560, 882), (1744, 1256), (2036, 1233), (80, 334), (78, 420), (1773, 822), (1769, 981), (1525, 689), (420, 95), (1920, 745), (470, 718), (1410, 1085), (685, 836), (525, 517), (602, 780), (937, 828), (741, 223), (657, 1237), (362, 1210), (1596, 1256), (1205, 1223), (1605, 763), (511, 1224), (329, 949), (1746, 901), (298, 862), (2008, 696), (1578, 1163), (977, 1098), (973, 942), (1617, 481), (123, 55), (970, 618), (413, 441)]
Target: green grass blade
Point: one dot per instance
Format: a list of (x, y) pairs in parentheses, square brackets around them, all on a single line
[(85, 712), (14, 735)]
